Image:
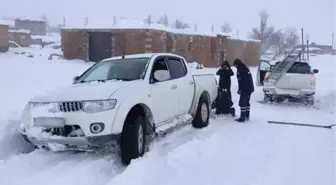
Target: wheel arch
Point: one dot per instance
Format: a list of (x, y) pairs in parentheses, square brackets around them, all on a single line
[(139, 108), (204, 94)]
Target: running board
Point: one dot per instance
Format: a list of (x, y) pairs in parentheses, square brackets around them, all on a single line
[(301, 124)]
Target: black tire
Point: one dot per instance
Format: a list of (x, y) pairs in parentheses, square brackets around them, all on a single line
[(310, 101), (268, 98), (198, 122), (280, 99), (129, 144)]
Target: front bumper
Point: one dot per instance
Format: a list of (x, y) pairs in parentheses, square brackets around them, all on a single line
[(78, 122), (74, 143)]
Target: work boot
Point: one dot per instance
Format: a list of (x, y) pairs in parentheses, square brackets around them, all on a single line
[(233, 112), (242, 117), (247, 115)]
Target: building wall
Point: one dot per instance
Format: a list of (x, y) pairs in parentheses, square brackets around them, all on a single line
[(73, 44), (206, 50), (21, 38), (36, 27), (4, 41)]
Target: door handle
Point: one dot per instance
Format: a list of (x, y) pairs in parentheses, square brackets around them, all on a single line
[(191, 82), (173, 87)]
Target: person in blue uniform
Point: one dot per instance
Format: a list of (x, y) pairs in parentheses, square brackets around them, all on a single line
[(245, 89)]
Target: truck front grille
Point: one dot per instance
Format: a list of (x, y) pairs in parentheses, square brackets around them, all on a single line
[(71, 106)]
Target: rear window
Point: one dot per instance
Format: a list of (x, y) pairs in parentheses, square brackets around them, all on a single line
[(300, 68)]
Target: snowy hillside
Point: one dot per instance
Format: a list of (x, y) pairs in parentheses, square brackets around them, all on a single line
[(225, 153)]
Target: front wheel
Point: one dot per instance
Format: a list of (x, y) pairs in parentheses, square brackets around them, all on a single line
[(202, 116), (133, 140)]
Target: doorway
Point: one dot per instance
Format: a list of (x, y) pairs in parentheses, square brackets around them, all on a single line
[(100, 46)]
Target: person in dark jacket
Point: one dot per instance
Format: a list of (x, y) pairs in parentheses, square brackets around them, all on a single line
[(223, 102), (225, 72), (245, 89)]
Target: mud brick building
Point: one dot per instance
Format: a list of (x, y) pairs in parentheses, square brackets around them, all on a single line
[(96, 44), (4, 40)]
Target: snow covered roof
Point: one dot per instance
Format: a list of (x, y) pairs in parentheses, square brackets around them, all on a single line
[(314, 49), (20, 31), (10, 23), (48, 38), (25, 18), (139, 24)]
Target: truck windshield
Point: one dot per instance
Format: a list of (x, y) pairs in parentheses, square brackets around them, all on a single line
[(120, 69)]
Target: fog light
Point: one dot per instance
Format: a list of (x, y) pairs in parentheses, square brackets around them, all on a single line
[(97, 127)]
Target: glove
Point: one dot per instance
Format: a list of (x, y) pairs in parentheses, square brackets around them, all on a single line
[(239, 92)]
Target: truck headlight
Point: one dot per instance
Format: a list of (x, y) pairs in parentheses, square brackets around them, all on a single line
[(31, 105), (98, 105)]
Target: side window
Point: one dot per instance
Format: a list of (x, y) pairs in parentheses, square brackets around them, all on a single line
[(177, 67), (159, 64)]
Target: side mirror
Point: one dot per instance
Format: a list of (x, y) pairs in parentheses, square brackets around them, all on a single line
[(161, 75), (75, 79), (315, 71)]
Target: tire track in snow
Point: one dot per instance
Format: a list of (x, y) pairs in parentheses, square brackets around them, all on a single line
[(59, 168), (225, 153)]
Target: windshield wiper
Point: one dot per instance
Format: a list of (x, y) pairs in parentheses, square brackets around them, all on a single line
[(122, 79), (89, 81)]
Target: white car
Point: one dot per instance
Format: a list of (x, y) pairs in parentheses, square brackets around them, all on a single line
[(298, 82), (122, 100)]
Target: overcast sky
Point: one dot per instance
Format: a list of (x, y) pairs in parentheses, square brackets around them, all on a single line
[(317, 17)]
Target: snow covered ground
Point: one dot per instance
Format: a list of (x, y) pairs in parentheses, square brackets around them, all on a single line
[(225, 153)]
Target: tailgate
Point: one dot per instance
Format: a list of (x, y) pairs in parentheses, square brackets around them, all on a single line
[(295, 81)]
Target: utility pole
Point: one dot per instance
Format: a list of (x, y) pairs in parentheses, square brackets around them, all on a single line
[(64, 21), (302, 42), (307, 37), (333, 41)]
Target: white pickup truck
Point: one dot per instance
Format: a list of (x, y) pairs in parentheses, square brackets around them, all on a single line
[(122, 100), (299, 82)]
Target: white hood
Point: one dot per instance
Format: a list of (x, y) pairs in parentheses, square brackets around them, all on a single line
[(82, 91)]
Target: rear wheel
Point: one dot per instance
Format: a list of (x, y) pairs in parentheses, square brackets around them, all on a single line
[(202, 114), (280, 99), (133, 140), (268, 98), (310, 101)]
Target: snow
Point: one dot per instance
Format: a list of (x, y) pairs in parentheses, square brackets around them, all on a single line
[(136, 23), (19, 31), (224, 153), (48, 38), (10, 23), (29, 18), (129, 23)]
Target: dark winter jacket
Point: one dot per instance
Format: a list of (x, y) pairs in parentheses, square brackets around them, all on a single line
[(244, 77), (225, 77)]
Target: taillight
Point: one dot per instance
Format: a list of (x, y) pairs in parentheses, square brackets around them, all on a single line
[(313, 80), (266, 75)]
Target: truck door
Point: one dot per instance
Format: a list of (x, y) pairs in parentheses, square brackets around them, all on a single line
[(164, 94), (184, 83), (263, 68)]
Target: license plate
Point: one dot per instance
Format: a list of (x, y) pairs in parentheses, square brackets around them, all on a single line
[(47, 122), (287, 91)]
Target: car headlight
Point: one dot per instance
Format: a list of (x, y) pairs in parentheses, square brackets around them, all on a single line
[(98, 105), (31, 105)]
